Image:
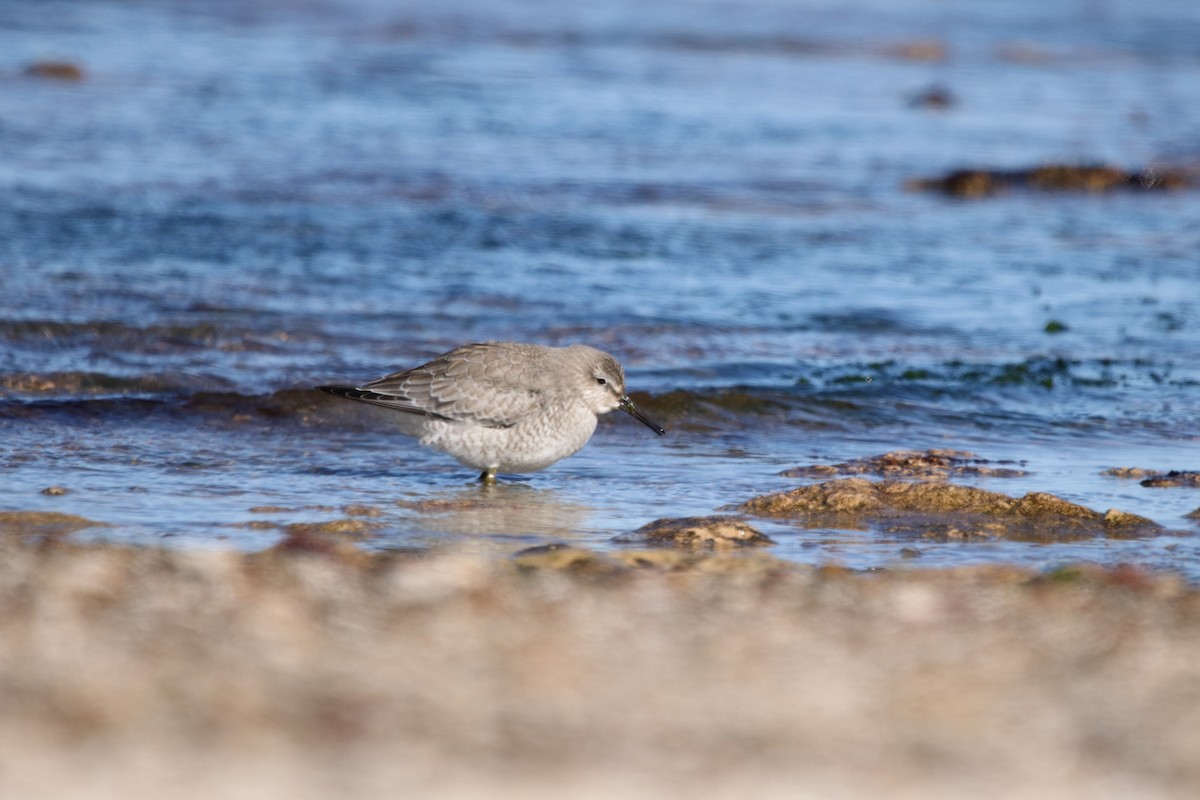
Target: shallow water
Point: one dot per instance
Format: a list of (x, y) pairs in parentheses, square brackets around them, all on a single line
[(245, 200)]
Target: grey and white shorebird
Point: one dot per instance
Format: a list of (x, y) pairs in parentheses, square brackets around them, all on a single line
[(503, 406)]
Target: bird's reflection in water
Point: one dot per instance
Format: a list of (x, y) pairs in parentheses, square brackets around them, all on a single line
[(499, 517)]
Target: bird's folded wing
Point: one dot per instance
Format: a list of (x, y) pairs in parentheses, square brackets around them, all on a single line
[(456, 390)]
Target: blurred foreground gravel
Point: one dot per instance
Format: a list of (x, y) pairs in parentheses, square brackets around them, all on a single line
[(317, 670)]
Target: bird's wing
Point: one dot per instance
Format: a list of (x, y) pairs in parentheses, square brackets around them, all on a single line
[(481, 384)]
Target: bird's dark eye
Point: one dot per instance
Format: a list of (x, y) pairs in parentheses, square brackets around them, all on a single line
[(601, 381)]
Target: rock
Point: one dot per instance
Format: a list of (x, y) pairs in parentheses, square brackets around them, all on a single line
[(1156, 478), (1037, 505), (1114, 518), (1053, 177), (360, 510), (55, 70), (944, 511), (910, 464), (1134, 473), (255, 525), (935, 98), (919, 50), (1174, 479), (1024, 53), (44, 523), (311, 543), (859, 495), (696, 533), (849, 496), (354, 528)]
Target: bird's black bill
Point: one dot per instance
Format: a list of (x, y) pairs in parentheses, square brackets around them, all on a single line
[(628, 406)]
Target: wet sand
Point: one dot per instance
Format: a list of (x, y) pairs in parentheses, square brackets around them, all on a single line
[(317, 669)]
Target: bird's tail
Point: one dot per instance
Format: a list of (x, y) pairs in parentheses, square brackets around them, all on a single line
[(365, 395), (394, 402), (340, 391)]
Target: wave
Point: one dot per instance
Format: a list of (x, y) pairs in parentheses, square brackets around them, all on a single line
[(151, 339), (1039, 393), (83, 384)]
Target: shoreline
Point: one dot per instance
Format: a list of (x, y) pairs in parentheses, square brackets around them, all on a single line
[(317, 667)]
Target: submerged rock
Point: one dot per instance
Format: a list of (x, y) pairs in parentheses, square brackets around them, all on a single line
[(936, 97), (55, 70), (362, 510), (347, 527), (1131, 473), (919, 50), (936, 510), (696, 533), (1052, 177), (1173, 479), (332, 548), (1156, 478), (910, 464), (44, 523)]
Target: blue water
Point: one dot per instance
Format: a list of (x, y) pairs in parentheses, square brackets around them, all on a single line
[(241, 200)]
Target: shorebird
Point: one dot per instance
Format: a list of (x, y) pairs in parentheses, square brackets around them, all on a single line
[(503, 406)]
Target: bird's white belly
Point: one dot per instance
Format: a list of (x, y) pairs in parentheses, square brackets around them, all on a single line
[(534, 443)]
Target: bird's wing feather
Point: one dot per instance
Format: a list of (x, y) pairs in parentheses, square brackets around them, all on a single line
[(495, 391)]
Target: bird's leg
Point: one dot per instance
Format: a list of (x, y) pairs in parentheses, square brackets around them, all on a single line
[(487, 477)]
